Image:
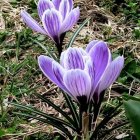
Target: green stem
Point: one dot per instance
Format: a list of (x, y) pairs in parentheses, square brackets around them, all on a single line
[(90, 110), (72, 110), (97, 109), (59, 43)]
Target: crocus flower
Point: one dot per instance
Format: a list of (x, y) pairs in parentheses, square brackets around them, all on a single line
[(57, 17), (83, 74)]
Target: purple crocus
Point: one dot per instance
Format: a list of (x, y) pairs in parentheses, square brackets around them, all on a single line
[(57, 16), (83, 74)]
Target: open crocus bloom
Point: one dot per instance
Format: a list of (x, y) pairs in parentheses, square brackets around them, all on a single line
[(57, 16), (83, 74)]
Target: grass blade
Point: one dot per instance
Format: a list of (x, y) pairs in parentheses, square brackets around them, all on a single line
[(72, 110), (136, 79), (44, 48), (44, 99), (57, 125), (49, 117), (77, 32)]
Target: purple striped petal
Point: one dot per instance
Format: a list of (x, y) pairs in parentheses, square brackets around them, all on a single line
[(52, 22), (71, 4), (70, 20), (83, 52), (111, 73), (91, 45), (32, 23), (89, 67), (43, 5), (62, 58), (73, 59), (101, 57), (56, 3), (78, 83), (45, 64), (58, 71), (64, 8)]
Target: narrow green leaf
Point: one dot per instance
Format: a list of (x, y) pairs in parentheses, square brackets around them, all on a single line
[(33, 110), (132, 109), (106, 132), (44, 99), (31, 89), (77, 32), (128, 97), (136, 79), (114, 112), (18, 67), (44, 48), (72, 109), (55, 124)]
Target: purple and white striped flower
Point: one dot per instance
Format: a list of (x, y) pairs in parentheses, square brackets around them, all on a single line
[(57, 17), (83, 74)]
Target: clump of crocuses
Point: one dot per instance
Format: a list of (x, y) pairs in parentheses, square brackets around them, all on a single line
[(57, 17), (83, 74)]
